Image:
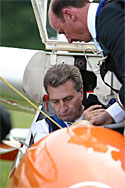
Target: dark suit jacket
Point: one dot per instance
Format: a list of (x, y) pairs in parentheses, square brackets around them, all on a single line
[(110, 34)]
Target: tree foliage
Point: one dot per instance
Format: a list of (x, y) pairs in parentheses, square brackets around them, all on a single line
[(18, 27)]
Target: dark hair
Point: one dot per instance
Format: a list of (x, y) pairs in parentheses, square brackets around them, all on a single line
[(58, 5), (59, 74)]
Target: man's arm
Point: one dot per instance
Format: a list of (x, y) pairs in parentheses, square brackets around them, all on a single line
[(117, 112), (97, 115), (110, 25)]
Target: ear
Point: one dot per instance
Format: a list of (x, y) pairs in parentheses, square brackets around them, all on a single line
[(69, 14)]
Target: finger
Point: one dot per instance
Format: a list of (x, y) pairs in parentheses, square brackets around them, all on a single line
[(98, 110), (93, 108)]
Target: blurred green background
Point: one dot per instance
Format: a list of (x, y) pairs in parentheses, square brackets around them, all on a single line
[(18, 28), (19, 120)]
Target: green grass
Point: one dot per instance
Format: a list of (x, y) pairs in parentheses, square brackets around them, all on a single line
[(19, 120), (5, 167)]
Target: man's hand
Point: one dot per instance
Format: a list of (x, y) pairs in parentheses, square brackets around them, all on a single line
[(97, 115)]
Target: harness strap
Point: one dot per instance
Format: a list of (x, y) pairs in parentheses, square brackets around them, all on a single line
[(103, 71), (52, 126)]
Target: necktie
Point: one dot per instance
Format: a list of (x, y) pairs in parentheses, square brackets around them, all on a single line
[(70, 123)]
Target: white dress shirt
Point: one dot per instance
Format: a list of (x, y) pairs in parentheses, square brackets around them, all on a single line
[(40, 128), (117, 113)]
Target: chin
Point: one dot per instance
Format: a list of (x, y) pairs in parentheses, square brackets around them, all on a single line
[(66, 118)]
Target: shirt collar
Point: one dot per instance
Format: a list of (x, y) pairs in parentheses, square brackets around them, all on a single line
[(90, 21), (70, 123)]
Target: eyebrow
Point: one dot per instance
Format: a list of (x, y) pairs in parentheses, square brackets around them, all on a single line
[(63, 98)]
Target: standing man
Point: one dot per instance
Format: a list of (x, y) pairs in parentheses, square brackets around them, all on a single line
[(81, 20), (64, 86)]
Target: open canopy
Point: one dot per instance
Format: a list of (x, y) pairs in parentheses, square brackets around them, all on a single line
[(51, 39)]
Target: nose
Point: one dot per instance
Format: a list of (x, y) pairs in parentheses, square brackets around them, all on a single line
[(69, 39), (63, 107)]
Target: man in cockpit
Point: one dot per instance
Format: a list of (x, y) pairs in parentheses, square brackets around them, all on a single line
[(64, 86)]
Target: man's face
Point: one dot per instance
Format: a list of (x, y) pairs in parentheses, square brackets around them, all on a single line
[(66, 101), (72, 28)]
